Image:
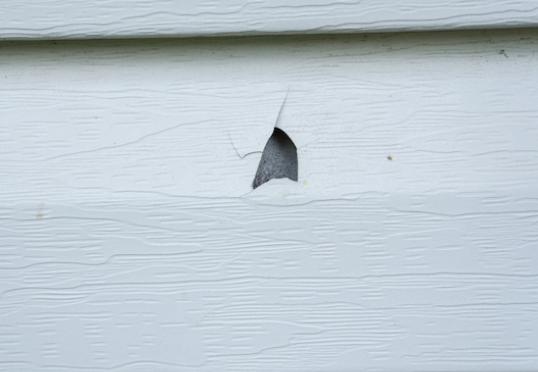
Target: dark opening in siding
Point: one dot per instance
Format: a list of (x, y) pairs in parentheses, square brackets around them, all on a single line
[(279, 159)]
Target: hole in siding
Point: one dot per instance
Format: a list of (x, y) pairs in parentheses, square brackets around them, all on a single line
[(279, 159)]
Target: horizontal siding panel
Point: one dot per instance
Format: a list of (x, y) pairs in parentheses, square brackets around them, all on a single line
[(131, 239), (53, 19), (228, 284)]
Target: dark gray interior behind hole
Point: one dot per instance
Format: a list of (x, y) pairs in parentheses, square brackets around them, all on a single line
[(279, 159)]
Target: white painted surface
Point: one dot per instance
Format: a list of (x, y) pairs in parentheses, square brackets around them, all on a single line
[(130, 239), (53, 19)]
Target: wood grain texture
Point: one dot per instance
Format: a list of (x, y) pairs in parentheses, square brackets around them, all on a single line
[(53, 19), (131, 240)]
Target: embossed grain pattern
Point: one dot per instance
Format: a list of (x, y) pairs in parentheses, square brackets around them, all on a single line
[(131, 240), (54, 19)]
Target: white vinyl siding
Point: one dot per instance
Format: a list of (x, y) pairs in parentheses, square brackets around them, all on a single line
[(54, 19), (131, 239)]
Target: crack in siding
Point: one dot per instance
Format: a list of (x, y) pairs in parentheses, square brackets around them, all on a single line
[(149, 135)]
